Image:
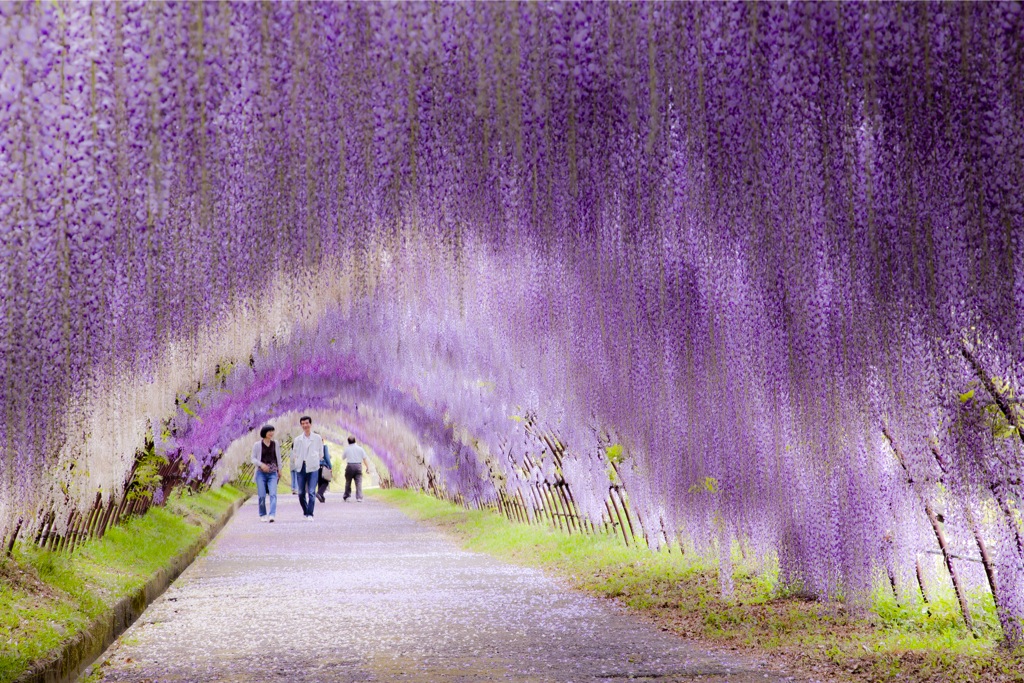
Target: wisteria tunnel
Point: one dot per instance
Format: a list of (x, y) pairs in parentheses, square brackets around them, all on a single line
[(737, 278)]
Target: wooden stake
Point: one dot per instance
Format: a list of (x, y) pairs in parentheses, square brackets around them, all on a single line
[(612, 496), (920, 584), (990, 572), (940, 536), (14, 537)]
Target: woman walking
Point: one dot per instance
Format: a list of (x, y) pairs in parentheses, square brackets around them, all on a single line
[(326, 475), (268, 463)]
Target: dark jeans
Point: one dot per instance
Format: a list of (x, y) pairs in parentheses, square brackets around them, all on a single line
[(321, 488), (354, 472), (307, 490)]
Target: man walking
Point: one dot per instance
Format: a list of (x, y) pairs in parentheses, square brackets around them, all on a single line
[(354, 456), (306, 450)]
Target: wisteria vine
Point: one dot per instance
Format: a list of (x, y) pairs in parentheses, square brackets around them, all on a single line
[(770, 253)]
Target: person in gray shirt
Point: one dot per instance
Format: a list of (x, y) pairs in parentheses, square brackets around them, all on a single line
[(355, 457)]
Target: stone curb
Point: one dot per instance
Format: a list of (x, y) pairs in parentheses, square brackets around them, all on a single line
[(87, 645)]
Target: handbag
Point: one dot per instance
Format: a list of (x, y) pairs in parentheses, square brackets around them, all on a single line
[(326, 473)]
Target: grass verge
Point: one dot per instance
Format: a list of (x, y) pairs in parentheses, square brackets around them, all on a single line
[(46, 598), (887, 642)]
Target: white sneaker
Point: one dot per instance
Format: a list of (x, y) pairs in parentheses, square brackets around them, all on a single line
[(263, 518), (309, 518), (271, 518)]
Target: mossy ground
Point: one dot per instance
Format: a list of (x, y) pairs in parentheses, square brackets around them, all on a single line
[(47, 597), (884, 642)]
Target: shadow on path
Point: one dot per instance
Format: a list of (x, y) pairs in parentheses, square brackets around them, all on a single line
[(366, 594)]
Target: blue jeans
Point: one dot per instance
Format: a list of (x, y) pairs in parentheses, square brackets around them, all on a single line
[(266, 481), (307, 489)]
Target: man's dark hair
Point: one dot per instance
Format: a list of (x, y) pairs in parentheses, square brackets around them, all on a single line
[(351, 439), (265, 429), (306, 418)]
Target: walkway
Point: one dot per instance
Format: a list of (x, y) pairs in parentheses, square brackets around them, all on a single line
[(366, 594)]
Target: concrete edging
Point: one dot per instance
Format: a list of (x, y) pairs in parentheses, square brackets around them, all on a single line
[(87, 645)]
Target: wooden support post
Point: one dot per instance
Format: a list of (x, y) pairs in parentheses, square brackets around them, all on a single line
[(94, 515), (559, 508), (520, 511), (612, 496), (625, 512), (575, 508), (81, 530), (101, 532), (920, 583), (55, 539), (548, 505), (510, 506), (544, 506), (1008, 519), (892, 584), (979, 540), (14, 537), (44, 532), (940, 535), (609, 525), (570, 513), (570, 517), (522, 504), (121, 508), (538, 503), (81, 521), (62, 543), (41, 530)]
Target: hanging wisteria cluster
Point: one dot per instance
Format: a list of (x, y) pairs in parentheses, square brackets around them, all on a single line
[(766, 259)]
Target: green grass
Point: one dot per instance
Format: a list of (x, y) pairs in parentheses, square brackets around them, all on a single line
[(47, 597), (884, 642)]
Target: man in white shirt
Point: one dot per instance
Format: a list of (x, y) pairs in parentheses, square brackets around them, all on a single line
[(307, 449), (354, 456)]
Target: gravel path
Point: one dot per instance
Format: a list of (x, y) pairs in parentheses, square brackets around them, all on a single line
[(366, 594)]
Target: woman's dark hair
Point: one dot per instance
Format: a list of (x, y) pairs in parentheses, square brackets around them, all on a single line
[(351, 439), (265, 429)]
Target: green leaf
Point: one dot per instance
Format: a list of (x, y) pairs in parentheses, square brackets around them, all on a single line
[(1003, 430), (964, 398), (708, 485)]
